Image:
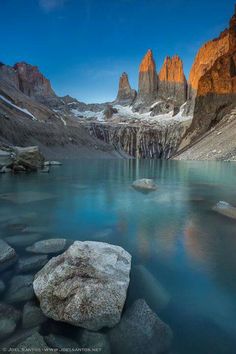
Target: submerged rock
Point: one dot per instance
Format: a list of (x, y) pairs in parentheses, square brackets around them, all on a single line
[(225, 209), (34, 342), (140, 331), (32, 316), (8, 311), (93, 340), (85, 286), (30, 264), (149, 288), (23, 240), (9, 317), (20, 289), (63, 344), (7, 255), (7, 327), (53, 245), (144, 185), (2, 287)]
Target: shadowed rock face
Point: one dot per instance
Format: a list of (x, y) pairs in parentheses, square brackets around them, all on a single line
[(172, 82), (141, 140), (32, 83), (125, 93), (147, 77)]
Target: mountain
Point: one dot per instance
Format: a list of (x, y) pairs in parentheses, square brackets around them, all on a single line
[(172, 82), (168, 116), (126, 94), (27, 117), (147, 86), (213, 84)]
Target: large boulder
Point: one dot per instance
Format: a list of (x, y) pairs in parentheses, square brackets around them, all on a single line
[(28, 157), (140, 331), (85, 286)]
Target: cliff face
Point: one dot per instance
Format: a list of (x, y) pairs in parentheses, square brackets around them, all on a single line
[(32, 83), (126, 94), (172, 81), (28, 80), (216, 88), (205, 58), (140, 140), (147, 89)]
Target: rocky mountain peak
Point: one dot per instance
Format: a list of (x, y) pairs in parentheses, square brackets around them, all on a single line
[(148, 62), (172, 81), (172, 70), (32, 82), (125, 92), (147, 77)]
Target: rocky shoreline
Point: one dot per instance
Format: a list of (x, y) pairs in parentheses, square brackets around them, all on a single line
[(66, 295)]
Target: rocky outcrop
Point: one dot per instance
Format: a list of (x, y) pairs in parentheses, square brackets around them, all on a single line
[(141, 139), (32, 83), (86, 285), (28, 79), (172, 82), (147, 88), (126, 94)]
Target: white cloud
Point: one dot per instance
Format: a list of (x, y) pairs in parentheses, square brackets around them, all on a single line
[(50, 5)]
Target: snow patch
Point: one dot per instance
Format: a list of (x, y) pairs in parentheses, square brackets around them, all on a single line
[(89, 114), (24, 110)]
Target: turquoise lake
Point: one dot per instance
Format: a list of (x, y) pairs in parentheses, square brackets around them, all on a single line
[(183, 252)]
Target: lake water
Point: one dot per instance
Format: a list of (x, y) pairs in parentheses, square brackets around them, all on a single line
[(183, 253)]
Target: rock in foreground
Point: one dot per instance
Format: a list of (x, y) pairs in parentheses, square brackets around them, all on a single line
[(144, 185), (141, 331), (225, 209), (85, 286)]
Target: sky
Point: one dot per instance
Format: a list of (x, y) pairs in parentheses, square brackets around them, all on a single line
[(83, 46)]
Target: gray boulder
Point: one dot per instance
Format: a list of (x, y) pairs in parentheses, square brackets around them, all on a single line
[(7, 255), (28, 157), (20, 289), (144, 185), (85, 286), (53, 245), (140, 331)]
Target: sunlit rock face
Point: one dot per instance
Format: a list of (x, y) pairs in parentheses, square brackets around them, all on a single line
[(213, 78), (172, 82), (147, 88), (126, 94)]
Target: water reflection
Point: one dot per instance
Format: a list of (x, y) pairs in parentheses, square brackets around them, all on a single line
[(184, 261)]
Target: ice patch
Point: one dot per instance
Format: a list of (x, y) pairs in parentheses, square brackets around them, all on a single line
[(24, 110), (88, 114)]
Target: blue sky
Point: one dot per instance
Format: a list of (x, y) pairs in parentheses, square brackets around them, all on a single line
[(83, 46)]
